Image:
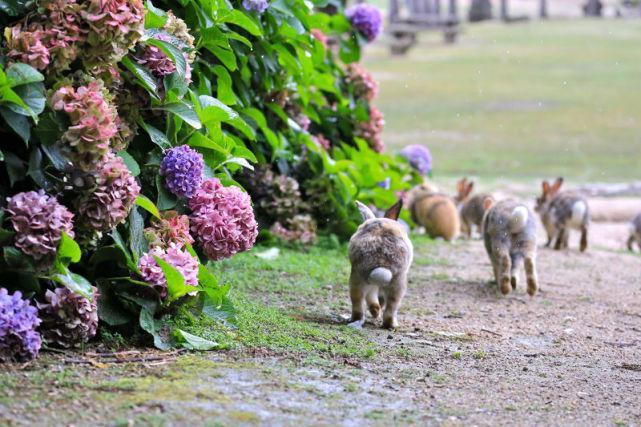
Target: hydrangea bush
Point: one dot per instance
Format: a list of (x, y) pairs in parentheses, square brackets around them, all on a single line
[(125, 127)]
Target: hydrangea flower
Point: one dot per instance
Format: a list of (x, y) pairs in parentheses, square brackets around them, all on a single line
[(322, 141), (170, 228), (27, 46), (419, 158), (19, 340), (367, 19), (320, 36), (38, 220), (372, 130), (93, 122), (299, 229), (110, 202), (365, 87), (258, 5), (63, 32), (114, 27), (182, 168), (68, 319), (156, 60), (222, 220), (180, 259)]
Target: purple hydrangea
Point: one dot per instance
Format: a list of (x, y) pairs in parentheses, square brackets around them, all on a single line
[(367, 19), (419, 158), (182, 168), (19, 340), (258, 5)]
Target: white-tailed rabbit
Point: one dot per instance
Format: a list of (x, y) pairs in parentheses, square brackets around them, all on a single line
[(561, 212), (471, 208), (381, 254), (635, 232), (509, 232), (435, 211)]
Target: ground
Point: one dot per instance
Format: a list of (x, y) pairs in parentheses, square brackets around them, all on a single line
[(464, 354)]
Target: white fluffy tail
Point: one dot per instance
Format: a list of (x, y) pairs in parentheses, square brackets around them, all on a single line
[(578, 213), (381, 276), (518, 219)]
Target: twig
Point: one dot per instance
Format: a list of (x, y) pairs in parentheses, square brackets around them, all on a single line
[(132, 360), (630, 366), (491, 332)]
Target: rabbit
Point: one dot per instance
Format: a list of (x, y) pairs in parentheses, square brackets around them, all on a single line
[(635, 232), (435, 211), (509, 233), (561, 212), (471, 208), (380, 253)]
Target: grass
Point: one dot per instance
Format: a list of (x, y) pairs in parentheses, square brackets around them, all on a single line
[(519, 101)]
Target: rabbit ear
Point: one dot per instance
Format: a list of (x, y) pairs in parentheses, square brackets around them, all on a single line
[(546, 187), (557, 185), (460, 185), (469, 188), (366, 212), (394, 211), (487, 203)]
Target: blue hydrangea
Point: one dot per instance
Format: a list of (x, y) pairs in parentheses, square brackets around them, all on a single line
[(258, 5), (367, 19), (182, 168), (19, 340), (419, 158)]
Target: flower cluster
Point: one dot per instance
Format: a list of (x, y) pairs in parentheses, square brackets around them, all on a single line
[(68, 319), (322, 141), (367, 19), (172, 228), (93, 122), (38, 220), (180, 259), (110, 202), (259, 6), (320, 36), (299, 229), (419, 158), (372, 130), (19, 340), (156, 60), (365, 87), (182, 168), (222, 220), (114, 28)]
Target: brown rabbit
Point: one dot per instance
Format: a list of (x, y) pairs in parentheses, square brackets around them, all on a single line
[(380, 253), (435, 211), (509, 232), (471, 208), (561, 212), (635, 232)]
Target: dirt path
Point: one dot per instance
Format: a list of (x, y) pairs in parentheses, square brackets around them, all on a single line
[(464, 355)]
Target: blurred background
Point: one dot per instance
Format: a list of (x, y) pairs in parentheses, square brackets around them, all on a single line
[(517, 97)]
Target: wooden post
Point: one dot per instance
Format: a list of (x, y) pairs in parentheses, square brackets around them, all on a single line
[(453, 9), (543, 9), (504, 12)]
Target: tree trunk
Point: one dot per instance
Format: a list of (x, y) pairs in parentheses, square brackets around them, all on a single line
[(543, 9), (480, 10)]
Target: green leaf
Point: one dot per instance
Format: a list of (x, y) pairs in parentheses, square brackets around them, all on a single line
[(176, 286), (183, 111), (33, 95), (110, 308), (147, 205), (143, 76), (131, 163), (172, 52), (137, 242), (154, 18), (74, 282), (17, 122), (158, 328), (238, 161), (166, 200), (193, 342), (156, 136), (224, 90), (16, 260), (68, 250), (242, 20), (49, 129), (13, 7), (22, 74)]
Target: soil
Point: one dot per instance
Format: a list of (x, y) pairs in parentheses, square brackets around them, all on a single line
[(463, 355)]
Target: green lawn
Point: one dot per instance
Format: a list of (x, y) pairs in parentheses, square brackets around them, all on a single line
[(520, 101)]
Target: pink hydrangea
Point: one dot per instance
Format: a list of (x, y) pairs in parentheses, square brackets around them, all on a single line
[(172, 228), (27, 46), (365, 87), (112, 199), (372, 130), (38, 220), (156, 60), (93, 122), (320, 36), (222, 220), (114, 27), (181, 260), (322, 141)]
